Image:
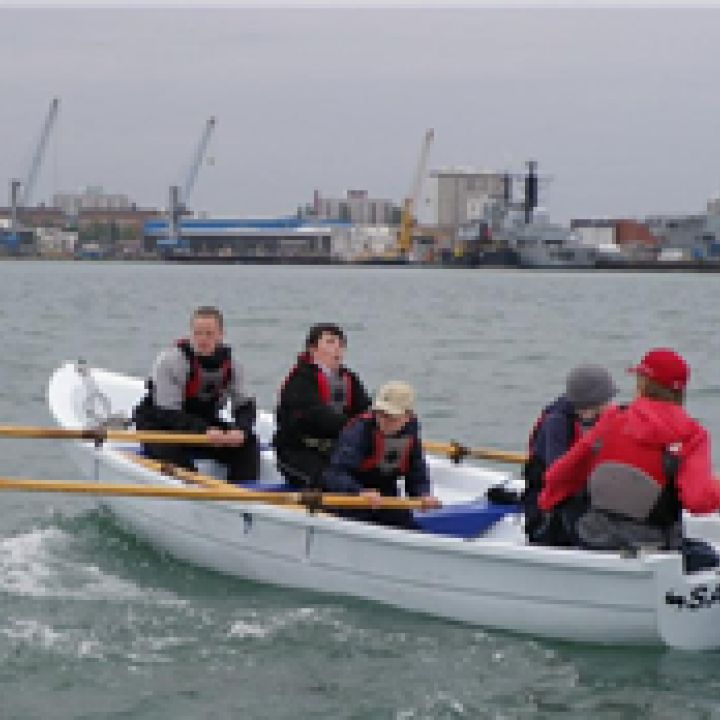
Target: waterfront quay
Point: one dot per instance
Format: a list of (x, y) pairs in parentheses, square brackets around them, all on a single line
[(476, 220)]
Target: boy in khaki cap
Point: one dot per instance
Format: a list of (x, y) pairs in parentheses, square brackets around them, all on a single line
[(376, 449)]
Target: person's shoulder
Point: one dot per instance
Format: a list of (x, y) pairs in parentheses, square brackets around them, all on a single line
[(171, 362), (413, 426), (559, 407), (302, 370), (171, 355), (300, 377), (613, 416)]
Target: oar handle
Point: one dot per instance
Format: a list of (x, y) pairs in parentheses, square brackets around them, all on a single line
[(455, 451), (101, 434), (159, 437)]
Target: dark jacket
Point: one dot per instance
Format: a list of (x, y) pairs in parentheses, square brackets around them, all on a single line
[(351, 465), (553, 434), (303, 414)]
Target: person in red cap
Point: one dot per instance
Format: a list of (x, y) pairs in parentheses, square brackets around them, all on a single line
[(641, 465)]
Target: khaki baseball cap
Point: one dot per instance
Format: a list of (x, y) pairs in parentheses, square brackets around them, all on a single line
[(395, 398)]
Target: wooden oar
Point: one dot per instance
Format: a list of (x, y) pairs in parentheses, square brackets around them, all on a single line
[(309, 499), (187, 476), (103, 434), (191, 476), (453, 450), (456, 452)]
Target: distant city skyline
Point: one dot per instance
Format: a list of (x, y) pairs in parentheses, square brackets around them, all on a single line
[(618, 106)]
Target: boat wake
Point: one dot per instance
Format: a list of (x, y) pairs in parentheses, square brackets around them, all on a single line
[(39, 564)]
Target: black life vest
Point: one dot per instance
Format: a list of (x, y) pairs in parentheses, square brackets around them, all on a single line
[(207, 381)]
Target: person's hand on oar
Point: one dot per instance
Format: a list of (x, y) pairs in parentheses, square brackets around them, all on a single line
[(429, 502), (229, 438), (373, 497)]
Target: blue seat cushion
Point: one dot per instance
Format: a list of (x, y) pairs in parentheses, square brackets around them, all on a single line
[(464, 520), (265, 487)]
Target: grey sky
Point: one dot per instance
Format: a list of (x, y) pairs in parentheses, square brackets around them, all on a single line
[(620, 107)]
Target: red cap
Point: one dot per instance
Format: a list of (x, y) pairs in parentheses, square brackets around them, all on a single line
[(665, 367)]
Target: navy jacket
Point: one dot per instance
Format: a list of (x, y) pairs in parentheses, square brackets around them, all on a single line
[(556, 432), (355, 444)]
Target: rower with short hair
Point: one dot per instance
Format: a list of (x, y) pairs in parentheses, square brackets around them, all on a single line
[(316, 400), (190, 383)]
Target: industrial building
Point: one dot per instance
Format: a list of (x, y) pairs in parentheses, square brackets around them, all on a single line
[(92, 197), (462, 195), (263, 239), (356, 207)]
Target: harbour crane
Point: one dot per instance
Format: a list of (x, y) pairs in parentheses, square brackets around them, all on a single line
[(179, 195), (21, 190), (407, 220)]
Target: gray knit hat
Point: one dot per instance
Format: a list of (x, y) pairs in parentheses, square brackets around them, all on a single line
[(589, 385)]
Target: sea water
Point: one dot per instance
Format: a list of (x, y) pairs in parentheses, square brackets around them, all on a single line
[(96, 624)]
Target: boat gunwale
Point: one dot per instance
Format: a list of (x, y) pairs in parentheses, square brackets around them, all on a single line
[(489, 548)]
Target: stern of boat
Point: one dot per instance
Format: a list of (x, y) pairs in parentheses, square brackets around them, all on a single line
[(688, 606)]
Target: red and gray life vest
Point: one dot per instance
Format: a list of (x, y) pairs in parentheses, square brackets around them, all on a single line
[(389, 455), (207, 380), (635, 481), (334, 390), (632, 494)]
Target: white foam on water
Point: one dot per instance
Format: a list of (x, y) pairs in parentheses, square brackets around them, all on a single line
[(33, 564), (438, 704), (258, 625), (69, 643)]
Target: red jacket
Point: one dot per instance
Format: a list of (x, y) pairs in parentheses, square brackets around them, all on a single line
[(637, 436)]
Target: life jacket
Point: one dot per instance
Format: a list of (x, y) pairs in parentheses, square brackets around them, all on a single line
[(632, 493), (389, 455), (336, 392), (207, 380), (635, 481)]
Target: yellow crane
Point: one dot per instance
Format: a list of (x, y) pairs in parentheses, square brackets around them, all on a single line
[(404, 243)]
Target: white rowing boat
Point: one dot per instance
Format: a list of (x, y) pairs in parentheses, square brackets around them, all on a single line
[(451, 570)]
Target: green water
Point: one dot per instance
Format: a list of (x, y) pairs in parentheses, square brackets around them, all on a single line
[(94, 624)]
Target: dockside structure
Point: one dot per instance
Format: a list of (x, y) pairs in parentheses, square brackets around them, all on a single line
[(246, 239)]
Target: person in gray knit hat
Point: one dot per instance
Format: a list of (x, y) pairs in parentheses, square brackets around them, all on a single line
[(589, 388), (588, 391)]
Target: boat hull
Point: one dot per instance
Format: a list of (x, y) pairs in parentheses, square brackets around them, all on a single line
[(495, 581)]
